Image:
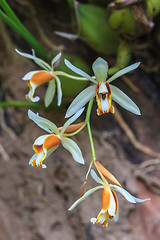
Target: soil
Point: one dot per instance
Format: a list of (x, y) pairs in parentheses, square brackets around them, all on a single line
[(34, 202)]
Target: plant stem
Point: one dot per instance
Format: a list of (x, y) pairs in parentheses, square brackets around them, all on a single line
[(10, 13), (89, 129), (22, 104), (70, 76), (74, 133)]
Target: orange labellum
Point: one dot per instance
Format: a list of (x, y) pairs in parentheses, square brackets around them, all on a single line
[(37, 148), (41, 77), (34, 164), (51, 141), (105, 199)]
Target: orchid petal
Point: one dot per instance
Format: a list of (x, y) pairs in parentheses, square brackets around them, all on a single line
[(43, 123), (29, 75), (40, 62), (50, 93), (89, 192), (73, 148), (123, 100), (71, 120), (82, 98), (48, 153), (59, 91), (127, 195), (117, 212), (78, 71), (112, 205), (55, 59), (96, 178), (40, 140), (37, 60), (123, 71), (100, 69)]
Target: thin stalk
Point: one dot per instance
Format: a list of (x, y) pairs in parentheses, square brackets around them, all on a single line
[(89, 129), (74, 133), (70, 76), (22, 104)]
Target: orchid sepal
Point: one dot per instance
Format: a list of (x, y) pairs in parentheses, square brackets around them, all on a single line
[(123, 100), (43, 123), (123, 71), (78, 71), (100, 69), (85, 96)]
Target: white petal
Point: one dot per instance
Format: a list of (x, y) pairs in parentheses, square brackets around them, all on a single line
[(89, 192), (103, 88), (50, 93), (71, 120), (123, 71), (73, 148), (29, 75), (39, 61), (112, 205), (78, 71), (105, 105), (39, 157), (96, 178), (127, 195), (59, 91), (117, 213), (40, 140), (122, 99), (55, 59), (100, 69), (43, 123), (82, 98), (69, 36)]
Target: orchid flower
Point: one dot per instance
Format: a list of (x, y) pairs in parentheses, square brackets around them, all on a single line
[(110, 208), (102, 89), (46, 144), (38, 77)]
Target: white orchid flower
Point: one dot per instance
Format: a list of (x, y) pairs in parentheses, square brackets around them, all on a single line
[(102, 89), (110, 207), (46, 144), (36, 78)]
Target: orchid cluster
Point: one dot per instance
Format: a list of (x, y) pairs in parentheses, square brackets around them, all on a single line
[(47, 144)]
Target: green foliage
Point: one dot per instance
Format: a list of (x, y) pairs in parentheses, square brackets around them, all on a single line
[(95, 31)]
